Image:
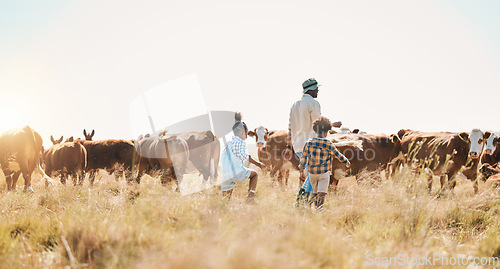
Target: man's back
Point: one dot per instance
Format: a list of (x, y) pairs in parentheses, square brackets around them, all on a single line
[(302, 114)]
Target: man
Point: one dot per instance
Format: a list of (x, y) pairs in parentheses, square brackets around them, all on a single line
[(300, 126)]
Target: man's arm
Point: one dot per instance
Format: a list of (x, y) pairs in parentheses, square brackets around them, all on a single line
[(288, 151), (315, 111), (303, 161)]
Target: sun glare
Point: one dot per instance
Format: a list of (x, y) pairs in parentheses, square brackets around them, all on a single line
[(11, 116)]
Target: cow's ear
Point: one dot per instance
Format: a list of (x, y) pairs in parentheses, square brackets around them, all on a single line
[(52, 139), (355, 131), (496, 140), (394, 138), (464, 136), (60, 139), (401, 133), (251, 133), (71, 139), (84, 133), (92, 134), (487, 135), (271, 133)]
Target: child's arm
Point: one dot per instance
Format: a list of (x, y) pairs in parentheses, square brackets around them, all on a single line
[(340, 156), (257, 163)]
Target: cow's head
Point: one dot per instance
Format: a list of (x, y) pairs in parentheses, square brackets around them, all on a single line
[(476, 142), (261, 134), (490, 142), (344, 130), (394, 138), (88, 137), (403, 132), (54, 142)]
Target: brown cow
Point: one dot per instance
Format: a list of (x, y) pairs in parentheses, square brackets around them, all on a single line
[(488, 170), (443, 154), (204, 152), (273, 162), (20, 151), (272, 155), (491, 174), (169, 154), (491, 153), (261, 135), (113, 155), (374, 154), (66, 159)]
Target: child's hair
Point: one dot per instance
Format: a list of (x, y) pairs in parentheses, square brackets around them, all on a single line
[(239, 125), (322, 125)]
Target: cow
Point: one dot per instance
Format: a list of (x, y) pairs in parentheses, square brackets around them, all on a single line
[(274, 163), (443, 154), (113, 155), (488, 170), (373, 154), (266, 156), (347, 131), (272, 155), (20, 151), (491, 153), (168, 153), (490, 156), (491, 174), (66, 159), (261, 135), (204, 152)]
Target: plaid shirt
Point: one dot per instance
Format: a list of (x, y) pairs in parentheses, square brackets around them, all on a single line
[(240, 148), (320, 153)]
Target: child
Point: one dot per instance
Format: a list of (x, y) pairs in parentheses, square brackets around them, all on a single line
[(232, 159), (318, 153)]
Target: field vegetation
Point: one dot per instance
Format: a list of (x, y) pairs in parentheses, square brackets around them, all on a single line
[(117, 225)]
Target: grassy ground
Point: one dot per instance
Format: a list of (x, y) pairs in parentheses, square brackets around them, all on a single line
[(150, 226)]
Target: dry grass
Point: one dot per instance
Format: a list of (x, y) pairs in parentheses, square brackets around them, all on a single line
[(150, 226)]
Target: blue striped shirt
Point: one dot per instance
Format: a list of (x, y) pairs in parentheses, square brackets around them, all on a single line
[(240, 148)]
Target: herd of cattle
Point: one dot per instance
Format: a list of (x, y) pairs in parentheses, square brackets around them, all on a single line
[(444, 154), (167, 155), (170, 156)]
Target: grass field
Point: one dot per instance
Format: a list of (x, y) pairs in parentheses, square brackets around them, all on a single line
[(115, 225)]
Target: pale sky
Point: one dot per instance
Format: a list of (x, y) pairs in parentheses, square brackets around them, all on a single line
[(383, 65)]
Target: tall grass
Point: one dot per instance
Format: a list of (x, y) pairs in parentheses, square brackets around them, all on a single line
[(113, 224)]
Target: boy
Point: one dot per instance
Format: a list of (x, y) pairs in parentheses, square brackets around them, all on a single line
[(318, 154)]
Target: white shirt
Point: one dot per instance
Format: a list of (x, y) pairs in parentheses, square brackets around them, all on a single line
[(302, 115)]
